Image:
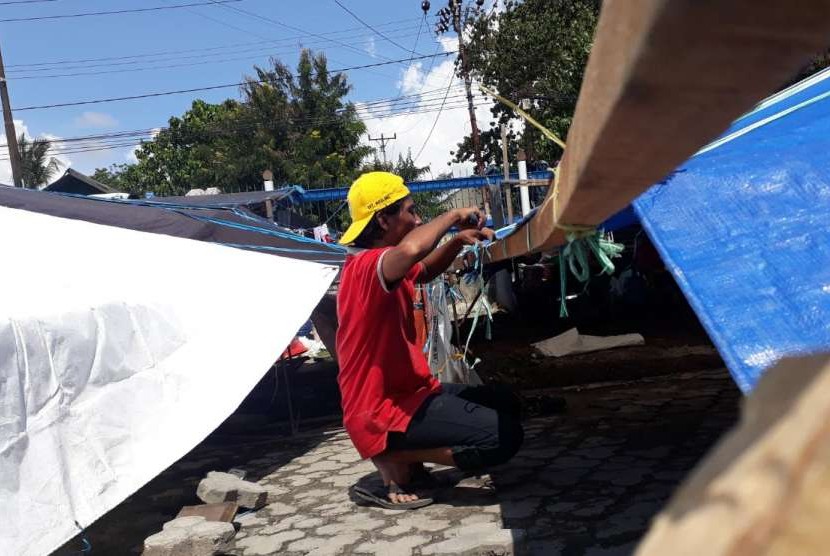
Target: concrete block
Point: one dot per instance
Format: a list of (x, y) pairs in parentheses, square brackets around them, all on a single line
[(189, 536), (224, 487)]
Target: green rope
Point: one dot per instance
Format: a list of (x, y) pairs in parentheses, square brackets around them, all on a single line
[(574, 257)]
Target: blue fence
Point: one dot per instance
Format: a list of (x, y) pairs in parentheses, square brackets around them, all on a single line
[(339, 193)]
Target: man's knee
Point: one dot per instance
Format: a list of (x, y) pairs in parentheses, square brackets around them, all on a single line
[(504, 445), (511, 436)]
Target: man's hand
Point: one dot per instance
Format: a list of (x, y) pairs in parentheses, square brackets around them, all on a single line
[(470, 218), (440, 259), (474, 235)]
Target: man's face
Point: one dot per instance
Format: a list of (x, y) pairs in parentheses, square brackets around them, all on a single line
[(396, 226)]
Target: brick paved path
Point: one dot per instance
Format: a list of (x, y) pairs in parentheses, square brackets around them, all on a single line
[(585, 482)]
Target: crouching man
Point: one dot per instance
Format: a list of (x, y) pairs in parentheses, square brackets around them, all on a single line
[(394, 410)]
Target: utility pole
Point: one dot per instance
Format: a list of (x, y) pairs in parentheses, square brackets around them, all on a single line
[(383, 140), (506, 163), (11, 134), (453, 11), (468, 85)]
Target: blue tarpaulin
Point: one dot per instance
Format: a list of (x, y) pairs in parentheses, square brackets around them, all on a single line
[(744, 227)]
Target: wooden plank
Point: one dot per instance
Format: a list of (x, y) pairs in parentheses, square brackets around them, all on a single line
[(222, 511), (664, 78), (765, 489), (525, 183)]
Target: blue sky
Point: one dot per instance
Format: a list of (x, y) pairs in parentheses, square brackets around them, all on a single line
[(211, 45)]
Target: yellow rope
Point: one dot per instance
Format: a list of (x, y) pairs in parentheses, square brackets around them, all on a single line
[(581, 240), (545, 131), (574, 231), (577, 230)]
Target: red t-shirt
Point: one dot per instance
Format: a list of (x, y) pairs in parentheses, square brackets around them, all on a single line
[(384, 375)]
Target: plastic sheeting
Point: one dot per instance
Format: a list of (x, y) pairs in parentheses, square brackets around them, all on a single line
[(743, 226), (119, 351)]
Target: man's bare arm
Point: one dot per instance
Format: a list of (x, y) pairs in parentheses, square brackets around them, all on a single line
[(419, 243), (440, 259)]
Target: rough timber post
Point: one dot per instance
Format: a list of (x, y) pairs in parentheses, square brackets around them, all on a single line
[(664, 78)]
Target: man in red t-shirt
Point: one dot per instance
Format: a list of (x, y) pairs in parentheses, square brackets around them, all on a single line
[(395, 411)]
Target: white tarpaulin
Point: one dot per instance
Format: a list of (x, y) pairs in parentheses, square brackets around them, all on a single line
[(119, 352)]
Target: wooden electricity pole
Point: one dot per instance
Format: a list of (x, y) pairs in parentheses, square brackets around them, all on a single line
[(468, 87), (11, 134), (383, 140)]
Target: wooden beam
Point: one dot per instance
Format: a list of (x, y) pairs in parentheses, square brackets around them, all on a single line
[(664, 78)]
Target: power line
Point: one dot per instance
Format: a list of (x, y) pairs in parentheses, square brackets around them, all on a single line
[(201, 62), (460, 105), (357, 17), (287, 26), (374, 110), (412, 54), (113, 12), (25, 2), (198, 89), (437, 117), (227, 24), (287, 40), (224, 127), (378, 106)]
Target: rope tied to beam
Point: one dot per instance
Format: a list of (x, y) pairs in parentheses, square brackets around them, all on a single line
[(581, 240)]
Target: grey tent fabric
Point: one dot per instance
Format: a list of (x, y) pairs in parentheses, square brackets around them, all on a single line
[(236, 227), (254, 201)]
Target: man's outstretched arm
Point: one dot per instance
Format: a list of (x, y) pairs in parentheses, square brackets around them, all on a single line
[(441, 258), (420, 242)]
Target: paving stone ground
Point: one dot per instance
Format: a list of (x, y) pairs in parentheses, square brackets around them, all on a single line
[(585, 482)]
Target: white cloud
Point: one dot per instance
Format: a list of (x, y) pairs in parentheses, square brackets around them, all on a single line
[(412, 129), (5, 165), (130, 157), (95, 120), (371, 47)]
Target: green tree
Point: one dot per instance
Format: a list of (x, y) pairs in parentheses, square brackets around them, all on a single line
[(37, 167), (534, 51), (120, 177), (300, 127), (318, 142)]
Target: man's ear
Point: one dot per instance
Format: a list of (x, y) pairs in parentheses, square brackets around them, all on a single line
[(383, 221)]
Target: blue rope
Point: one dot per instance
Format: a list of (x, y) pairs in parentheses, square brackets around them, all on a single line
[(184, 210), (275, 249), (86, 546), (478, 274), (266, 231)]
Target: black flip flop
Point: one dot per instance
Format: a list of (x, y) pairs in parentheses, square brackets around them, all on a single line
[(379, 496)]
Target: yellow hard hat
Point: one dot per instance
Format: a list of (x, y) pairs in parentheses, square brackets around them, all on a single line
[(368, 194)]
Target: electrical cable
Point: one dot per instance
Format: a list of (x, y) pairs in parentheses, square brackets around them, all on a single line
[(201, 62), (461, 104), (287, 26), (194, 89), (383, 103), (173, 54), (437, 116), (113, 12), (357, 17), (10, 2)]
